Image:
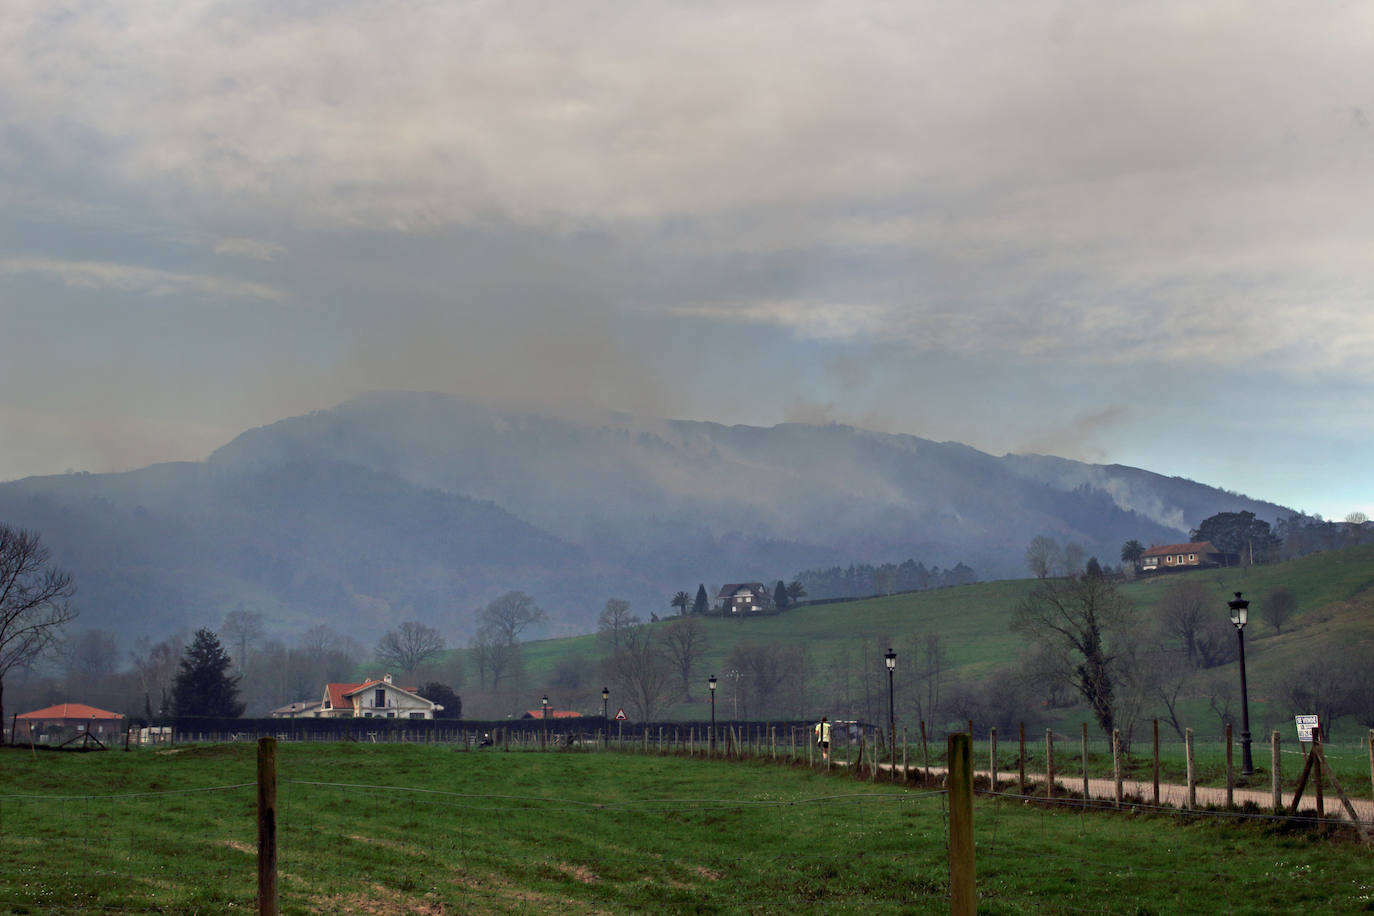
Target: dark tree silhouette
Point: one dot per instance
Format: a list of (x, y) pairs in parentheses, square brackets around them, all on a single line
[(35, 602), (203, 686)]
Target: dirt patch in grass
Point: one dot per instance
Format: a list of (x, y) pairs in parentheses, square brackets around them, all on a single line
[(381, 901)]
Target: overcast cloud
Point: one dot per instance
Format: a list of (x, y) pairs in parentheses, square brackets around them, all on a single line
[(1138, 233)]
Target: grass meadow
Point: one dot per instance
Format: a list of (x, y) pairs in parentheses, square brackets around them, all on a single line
[(427, 829)]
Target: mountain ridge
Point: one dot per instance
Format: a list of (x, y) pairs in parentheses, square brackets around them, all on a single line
[(400, 505)]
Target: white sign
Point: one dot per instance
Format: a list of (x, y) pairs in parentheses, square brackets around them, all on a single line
[(1306, 725), (620, 715)]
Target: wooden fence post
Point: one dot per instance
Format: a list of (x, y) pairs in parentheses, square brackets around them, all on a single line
[(1049, 763), (1317, 789), (1021, 762), (1371, 759), (1116, 762), (1192, 780), (1086, 793), (1230, 771), (1276, 770), (963, 892), (1156, 770), (992, 755), (267, 827), (925, 751)]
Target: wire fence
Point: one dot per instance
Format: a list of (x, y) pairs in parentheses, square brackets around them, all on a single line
[(358, 845)]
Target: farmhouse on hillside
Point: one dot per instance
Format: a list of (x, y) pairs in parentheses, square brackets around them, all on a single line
[(1197, 555), (54, 724), (743, 597), (374, 699)]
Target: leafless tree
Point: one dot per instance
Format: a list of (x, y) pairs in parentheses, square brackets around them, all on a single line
[(615, 620), (509, 616), (684, 641), (155, 667), (1183, 611), (410, 645), (639, 672), (1216, 642), (1042, 556), (35, 602), (1277, 607), (242, 630), (1071, 558)]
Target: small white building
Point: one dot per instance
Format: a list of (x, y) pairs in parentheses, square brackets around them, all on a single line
[(374, 699)]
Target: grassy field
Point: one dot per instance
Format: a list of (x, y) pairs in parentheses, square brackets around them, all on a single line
[(1335, 602), (402, 829)]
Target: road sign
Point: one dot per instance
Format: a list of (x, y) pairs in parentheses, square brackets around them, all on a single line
[(620, 715), (1306, 725)]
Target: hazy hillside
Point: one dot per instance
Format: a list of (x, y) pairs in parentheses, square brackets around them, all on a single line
[(736, 502), (396, 506)]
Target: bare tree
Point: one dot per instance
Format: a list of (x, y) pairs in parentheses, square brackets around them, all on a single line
[(35, 602), (410, 645), (1277, 607), (1071, 558), (1182, 612), (639, 672), (1216, 642), (242, 630), (510, 615), (615, 620), (1078, 618), (155, 667), (684, 640), (1042, 556)]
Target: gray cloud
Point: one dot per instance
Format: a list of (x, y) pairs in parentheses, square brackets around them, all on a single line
[(603, 203)]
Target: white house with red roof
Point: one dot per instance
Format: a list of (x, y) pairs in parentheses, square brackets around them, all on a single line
[(65, 720), (374, 699)]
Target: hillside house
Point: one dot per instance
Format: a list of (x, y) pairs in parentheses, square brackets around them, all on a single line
[(1197, 555), (374, 699), (54, 724), (744, 597)]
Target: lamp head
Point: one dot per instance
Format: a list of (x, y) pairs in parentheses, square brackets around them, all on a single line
[(711, 682), (891, 659), (1240, 611), (605, 693)]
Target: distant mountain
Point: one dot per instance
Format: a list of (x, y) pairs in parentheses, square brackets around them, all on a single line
[(399, 505)]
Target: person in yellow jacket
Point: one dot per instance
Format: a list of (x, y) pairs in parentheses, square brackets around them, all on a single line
[(823, 738)]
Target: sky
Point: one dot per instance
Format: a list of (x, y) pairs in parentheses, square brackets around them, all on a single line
[(1135, 233)]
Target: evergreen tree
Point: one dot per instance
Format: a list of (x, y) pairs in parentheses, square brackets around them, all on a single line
[(203, 686), (780, 599), (703, 603)]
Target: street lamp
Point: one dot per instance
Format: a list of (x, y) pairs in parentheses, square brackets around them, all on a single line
[(605, 719), (711, 682), (1240, 615), (545, 701), (891, 659)]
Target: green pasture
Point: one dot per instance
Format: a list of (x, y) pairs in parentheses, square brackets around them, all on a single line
[(1334, 592), (403, 829)]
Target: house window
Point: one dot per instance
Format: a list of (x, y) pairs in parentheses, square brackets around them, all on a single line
[(379, 700), (1192, 558), (417, 715), (391, 715)]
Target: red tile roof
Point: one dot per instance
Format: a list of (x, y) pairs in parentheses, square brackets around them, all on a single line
[(71, 711), (553, 714), (1202, 547)]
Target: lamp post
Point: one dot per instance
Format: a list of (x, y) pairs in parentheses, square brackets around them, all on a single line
[(545, 701), (605, 718), (891, 659), (1240, 615), (711, 682)]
